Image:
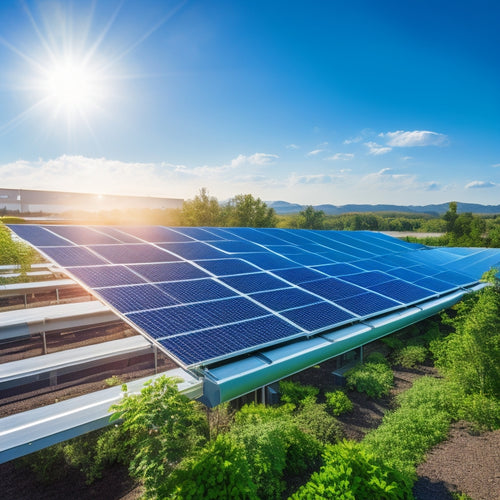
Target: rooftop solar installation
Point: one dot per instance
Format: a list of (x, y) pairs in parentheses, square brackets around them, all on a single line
[(205, 294)]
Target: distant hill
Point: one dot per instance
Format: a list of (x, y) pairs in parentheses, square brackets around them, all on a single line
[(284, 208)]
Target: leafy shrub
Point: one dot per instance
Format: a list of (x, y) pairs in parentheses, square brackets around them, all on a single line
[(274, 445), (410, 356), (314, 419), (48, 464), (375, 379), (422, 420), (393, 342), (351, 472), (219, 471), (377, 357), (296, 394), (480, 410), (338, 402)]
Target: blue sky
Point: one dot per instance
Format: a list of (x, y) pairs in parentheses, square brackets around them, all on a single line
[(305, 101)]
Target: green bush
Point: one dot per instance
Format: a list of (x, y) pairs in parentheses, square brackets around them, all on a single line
[(410, 356), (219, 471), (375, 379), (483, 412), (338, 402), (296, 394), (48, 464), (351, 472), (377, 357), (314, 419)]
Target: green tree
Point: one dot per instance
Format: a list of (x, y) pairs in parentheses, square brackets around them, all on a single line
[(246, 211), (203, 210), (311, 218), (161, 427), (451, 216)]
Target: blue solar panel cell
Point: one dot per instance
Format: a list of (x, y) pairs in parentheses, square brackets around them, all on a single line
[(136, 297), (332, 288), (299, 275), (194, 250), (198, 233), (320, 316), (255, 235), (255, 282), (188, 291), (39, 236), (227, 267), (367, 278), (101, 276), (455, 278), (287, 298), (338, 269), (221, 342), (373, 265), (402, 291), (169, 271), (82, 235), (73, 256), (117, 234), (367, 304), (309, 259), (156, 234), (436, 285), (238, 246), (406, 274), (267, 261), (133, 254)]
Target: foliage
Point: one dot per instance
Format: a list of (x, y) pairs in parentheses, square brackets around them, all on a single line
[(482, 411), (203, 210), (309, 218), (470, 356), (161, 427), (113, 380), (410, 356), (296, 393), (219, 419), (48, 464), (313, 418), (351, 472), (15, 252), (218, 471), (421, 421), (274, 445), (375, 379), (246, 211), (338, 402)]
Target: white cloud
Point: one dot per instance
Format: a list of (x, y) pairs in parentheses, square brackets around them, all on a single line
[(315, 152), (341, 156), (432, 186), (353, 140), (292, 146), (480, 185), (313, 179), (376, 149), (496, 165), (402, 139), (255, 159)]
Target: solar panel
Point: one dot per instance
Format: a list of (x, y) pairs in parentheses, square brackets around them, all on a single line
[(318, 316), (197, 290), (255, 282), (170, 271), (215, 343), (132, 253), (100, 276), (136, 297), (286, 298), (73, 256), (201, 290)]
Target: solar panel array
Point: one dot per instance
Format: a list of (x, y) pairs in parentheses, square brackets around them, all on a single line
[(207, 294)]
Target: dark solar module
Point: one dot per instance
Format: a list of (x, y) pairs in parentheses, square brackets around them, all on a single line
[(117, 234), (402, 291), (99, 276), (198, 347), (309, 259), (194, 250), (338, 269), (155, 234), (318, 316), (406, 274), (238, 246), (287, 298), (254, 235), (227, 267), (168, 271), (267, 261), (455, 278), (133, 254), (332, 288), (367, 278), (373, 265), (136, 297), (256, 282), (82, 235), (299, 275), (436, 285), (198, 233), (39, 236), (368, 303), (73, 256), (196, 290)]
